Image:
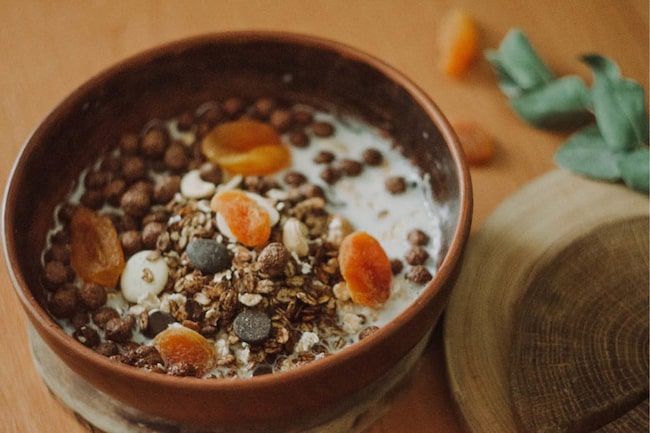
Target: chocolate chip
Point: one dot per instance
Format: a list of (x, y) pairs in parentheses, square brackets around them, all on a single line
[(208, 255), (263, 369), (157, 322), (252, 326)]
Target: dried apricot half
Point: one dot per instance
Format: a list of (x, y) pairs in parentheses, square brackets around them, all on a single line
[(96, 251), (366, 269), (246, 147), (246, 219), (478, 146), (178, 344), (458, 42)]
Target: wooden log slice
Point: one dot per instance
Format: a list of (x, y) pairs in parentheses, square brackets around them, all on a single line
[(509, 253), (579, 354)]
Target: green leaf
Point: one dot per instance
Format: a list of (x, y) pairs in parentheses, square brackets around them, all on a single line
[(635, 169), (619, 105), (507, 84), (587, 154), (517, 64), (560, 104)]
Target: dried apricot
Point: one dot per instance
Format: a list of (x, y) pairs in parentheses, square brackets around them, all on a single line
[(478, 145), (247, 220), (260, 161), (96, 251), (365, 268), (178, 344), (246, 147), (458, 42)]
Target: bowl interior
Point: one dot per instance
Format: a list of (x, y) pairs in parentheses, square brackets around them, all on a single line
[(166, 81)]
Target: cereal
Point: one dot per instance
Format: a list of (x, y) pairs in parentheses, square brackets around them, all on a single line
[(232, 223), (92, 296)]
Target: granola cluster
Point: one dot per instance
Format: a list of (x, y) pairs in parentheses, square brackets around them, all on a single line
[(263, 308)]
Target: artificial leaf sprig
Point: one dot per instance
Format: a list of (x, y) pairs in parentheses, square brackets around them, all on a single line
[(613, 148)]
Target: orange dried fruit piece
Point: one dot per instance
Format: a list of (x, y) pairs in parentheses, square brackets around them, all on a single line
[(247, 220), (478, 146), (366, 269), (458, 42), (260, 161), (96, 251), (246, 147), (178, 344)]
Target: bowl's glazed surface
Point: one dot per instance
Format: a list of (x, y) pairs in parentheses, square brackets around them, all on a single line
[(165, 81)]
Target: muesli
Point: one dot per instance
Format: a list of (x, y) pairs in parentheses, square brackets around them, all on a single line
[(240, 239)]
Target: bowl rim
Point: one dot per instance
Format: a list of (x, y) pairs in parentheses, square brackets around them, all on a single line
[(444, 272)]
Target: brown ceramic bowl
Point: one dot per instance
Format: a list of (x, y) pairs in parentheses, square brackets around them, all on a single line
[(337, 393)]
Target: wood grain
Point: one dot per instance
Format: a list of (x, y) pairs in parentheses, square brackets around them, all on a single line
[(49, 48), (579, 356), (508, 253)]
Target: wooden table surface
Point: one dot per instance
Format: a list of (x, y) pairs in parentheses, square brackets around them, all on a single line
[(48, 48)]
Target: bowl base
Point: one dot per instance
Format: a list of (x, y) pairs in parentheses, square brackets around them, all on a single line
[(100, 413)]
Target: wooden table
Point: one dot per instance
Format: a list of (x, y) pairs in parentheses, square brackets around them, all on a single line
[(48, 48)]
